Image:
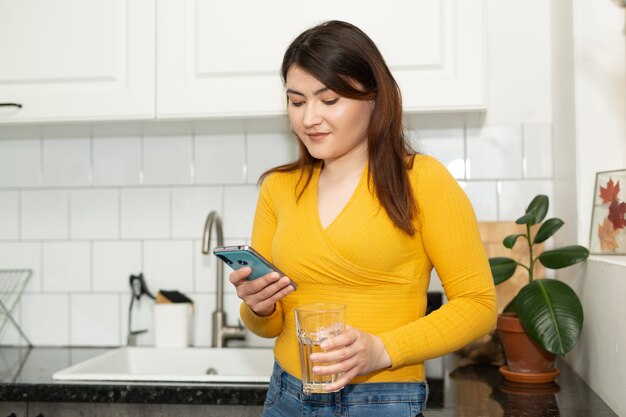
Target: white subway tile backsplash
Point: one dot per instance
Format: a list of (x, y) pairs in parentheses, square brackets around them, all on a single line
[(239, 206), (205, 266), (220, 158), (190, 207), (142, 319), (168, 265), (66, 266), (514, 197), (117, 161), (113, 264), (204, 305), (46, 319), (446, 145), (94, 214), (66, 161), (167, 160), (9, 215), (90, 222), (483, 196), (276, 148), (23, 255), (95, 320), (45, 214), (494, 152), (145, 213), (538, 150), (9, 336), (20, 162)]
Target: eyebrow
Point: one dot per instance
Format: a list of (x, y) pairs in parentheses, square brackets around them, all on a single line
[(315, 93)]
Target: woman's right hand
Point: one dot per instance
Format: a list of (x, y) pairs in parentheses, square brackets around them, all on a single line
[(262, 293)]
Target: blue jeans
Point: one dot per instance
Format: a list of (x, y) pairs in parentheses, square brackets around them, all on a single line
[(387, 399)]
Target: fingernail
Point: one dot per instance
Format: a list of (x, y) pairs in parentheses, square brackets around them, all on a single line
[(316, 369), (324, 345)]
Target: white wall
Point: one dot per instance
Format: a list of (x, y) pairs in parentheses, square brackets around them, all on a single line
[(589, 107)]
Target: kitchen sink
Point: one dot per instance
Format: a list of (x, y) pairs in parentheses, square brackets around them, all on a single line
[(243, 365)]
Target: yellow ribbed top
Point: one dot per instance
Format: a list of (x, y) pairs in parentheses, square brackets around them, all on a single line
[(382, 275)]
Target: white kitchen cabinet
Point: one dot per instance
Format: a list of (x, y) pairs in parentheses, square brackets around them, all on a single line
[(74, 60), (222, 58), (91, 60)]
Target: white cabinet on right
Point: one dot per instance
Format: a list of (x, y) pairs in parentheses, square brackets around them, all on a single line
[(222, 58)]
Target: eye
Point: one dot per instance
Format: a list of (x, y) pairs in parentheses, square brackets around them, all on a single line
[(330, 102), (296, 103)]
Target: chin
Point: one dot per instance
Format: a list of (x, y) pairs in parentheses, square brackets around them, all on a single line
[(318, 153)]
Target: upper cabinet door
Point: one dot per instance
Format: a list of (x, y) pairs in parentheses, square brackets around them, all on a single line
[(222, 58), (77, 60)]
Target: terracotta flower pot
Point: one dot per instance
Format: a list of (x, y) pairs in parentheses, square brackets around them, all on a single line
[(522, 353)]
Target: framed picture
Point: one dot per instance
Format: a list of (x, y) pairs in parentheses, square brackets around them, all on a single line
[(608, 222)]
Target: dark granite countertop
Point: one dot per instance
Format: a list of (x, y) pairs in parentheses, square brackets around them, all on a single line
[(455, 389)]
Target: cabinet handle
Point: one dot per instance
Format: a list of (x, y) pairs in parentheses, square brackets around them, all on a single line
[(18, 105)]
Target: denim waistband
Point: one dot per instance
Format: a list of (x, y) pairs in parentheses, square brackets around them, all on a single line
[(365, 393)]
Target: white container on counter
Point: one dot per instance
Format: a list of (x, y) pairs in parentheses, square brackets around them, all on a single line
[(173, 324)]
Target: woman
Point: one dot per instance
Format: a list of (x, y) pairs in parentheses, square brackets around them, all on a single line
[(360, 219)]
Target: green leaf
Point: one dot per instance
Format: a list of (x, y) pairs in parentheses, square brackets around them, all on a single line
[(538, 208), (563, 257), (502, 269), (528, 218), (510, 307), (510, 240), (547, 229), (551, 314)]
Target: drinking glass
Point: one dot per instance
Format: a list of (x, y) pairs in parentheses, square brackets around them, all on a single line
[(316, 323)]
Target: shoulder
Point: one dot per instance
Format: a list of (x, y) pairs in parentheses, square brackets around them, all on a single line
[(281, 185), (281, 179), (433, 185), (427, 168)]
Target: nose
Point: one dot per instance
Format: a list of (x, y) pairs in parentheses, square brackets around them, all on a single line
[(312, 115)]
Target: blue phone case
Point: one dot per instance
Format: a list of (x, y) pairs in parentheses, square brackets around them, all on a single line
[(239, 256)]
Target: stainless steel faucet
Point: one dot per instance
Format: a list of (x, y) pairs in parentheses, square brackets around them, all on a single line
[(222, 332)]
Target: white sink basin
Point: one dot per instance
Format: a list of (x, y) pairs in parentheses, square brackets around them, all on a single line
[(175, 364)]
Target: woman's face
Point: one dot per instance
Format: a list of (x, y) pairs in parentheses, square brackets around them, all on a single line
[(331, 127)]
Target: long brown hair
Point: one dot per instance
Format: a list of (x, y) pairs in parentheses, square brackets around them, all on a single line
[(338, 54)]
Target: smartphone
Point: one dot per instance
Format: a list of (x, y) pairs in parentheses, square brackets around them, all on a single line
[(242, 255)]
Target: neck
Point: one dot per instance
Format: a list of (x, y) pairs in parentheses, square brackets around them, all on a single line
[(346, 166)]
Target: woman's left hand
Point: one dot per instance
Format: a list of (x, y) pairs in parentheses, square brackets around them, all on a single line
[(353, 353)]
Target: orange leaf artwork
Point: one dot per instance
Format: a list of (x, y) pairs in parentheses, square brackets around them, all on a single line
[(607, 234), (616, 214), (611, 191), (608, 219)]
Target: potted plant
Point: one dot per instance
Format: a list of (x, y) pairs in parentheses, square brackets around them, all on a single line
[(545, 317)]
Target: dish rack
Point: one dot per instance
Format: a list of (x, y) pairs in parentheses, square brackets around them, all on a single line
[(12, 284)]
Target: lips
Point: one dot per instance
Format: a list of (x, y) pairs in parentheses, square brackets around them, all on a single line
[(317, 135)]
